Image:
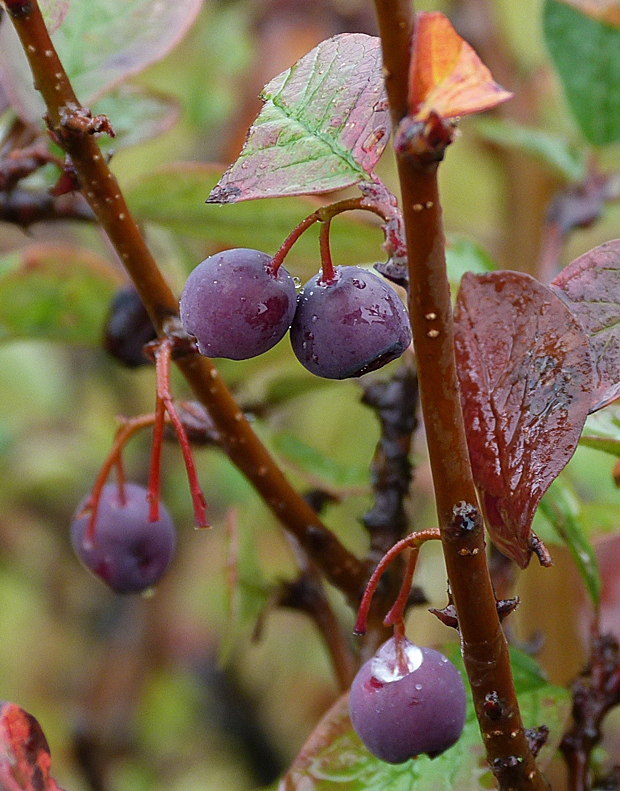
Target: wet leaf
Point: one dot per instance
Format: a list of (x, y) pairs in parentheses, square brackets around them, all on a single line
[(174, 197), (24, 752), (136, 115), (334, 758), (100, 43), (552, 150), (563, 510), (446, 75), (607, 11), (324, 125), (590, 286), (55, 293), (526, 380), (593, 89)]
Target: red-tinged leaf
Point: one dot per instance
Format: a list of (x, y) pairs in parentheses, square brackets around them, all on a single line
[(590, 286), (24, 753), (324, 125), (526, 382), (446, 75), (607, 11)]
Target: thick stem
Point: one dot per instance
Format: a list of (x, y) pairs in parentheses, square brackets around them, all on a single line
[(68, 122), (485, 650)]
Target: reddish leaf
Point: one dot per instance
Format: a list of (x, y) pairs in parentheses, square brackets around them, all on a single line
[(590, 286), (324, 125), (24, 753), (526, 381), (446, 75)]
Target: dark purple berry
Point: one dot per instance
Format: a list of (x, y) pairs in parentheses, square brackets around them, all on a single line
[(128, 328), (399, 715), (235, 306), (128, 552), (348, 326)]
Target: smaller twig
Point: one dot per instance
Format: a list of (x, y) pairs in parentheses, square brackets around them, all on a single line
[(595, 692), (24, 208)]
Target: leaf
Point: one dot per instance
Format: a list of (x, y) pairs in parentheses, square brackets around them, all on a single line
[(607, 11), (100, 43), (590, 286), (446, 75), (136, 115), (593, 87), (248, 591), (54, 11), (24, 752), (602, 431), (173, 196), (333, 758), (324, 125), (553, 150), (55, 293), (563, 510), (465, 255), (526, 379), (320, 467)]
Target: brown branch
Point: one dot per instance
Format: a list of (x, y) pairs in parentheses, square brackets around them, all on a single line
[(485, 650), (70, 125), (595, 692)]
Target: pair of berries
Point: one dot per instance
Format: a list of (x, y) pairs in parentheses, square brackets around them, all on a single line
[(238, 306)]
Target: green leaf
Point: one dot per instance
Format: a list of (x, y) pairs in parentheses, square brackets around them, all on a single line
[(318, 466), (334, 759), (586, 54), (324, 125), (248, 591), (174, 197), (136, 115), (552, 150), (100, 43), (55, 293), (466, 255), (602, 431), (560, 506)]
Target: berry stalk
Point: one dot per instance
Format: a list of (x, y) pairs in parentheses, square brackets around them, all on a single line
[(73, 129), (484, 646)]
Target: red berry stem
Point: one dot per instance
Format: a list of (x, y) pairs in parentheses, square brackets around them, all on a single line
[(127, 429), (396, 615), (163, 356), (120, 481), (156, 446), (328, 275), (413, 540)]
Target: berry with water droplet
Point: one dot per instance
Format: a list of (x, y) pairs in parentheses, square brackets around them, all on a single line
[(236, 306), (402, 709), (128, 552), (348, 324)]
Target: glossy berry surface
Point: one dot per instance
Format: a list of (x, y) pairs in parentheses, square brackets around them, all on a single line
[(398, 716), (235, 307), (128, 328), (128, 552), (350, 326)]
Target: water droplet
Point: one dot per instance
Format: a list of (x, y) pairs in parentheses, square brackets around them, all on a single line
[(418, 687), (297, 282), (261, 308)]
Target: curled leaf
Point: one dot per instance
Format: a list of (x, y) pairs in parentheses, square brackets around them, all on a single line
[(446, 75), (526, 380)]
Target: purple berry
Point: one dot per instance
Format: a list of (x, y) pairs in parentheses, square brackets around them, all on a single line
[(235, 306), (397, 715), (128, 552), (348, 326), (128, 328)]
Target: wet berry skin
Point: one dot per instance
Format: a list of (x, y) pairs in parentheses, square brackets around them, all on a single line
[(348, 327), (400, 716), (128, 552), (235, 307)]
